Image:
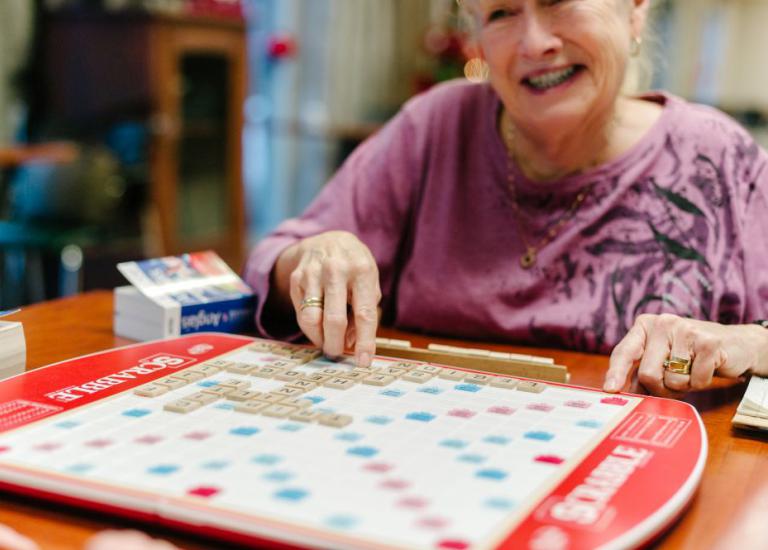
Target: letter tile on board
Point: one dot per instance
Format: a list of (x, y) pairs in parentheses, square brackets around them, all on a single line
[(432, 369), (208, 368), (151, 390), (305, 415), (235, 383), (451, 374), (334, 420), (218, 364), (240, 368), (172, 382), (378, 380), (266, 372), (418, 376), (203, 398), (504, 382), (476, 378), (288, 391), (271, 397), (393, 371), (298, 402), (251, 407), (220, 391), (303, 385), (243, 395), (189, 375), (339, 383), (288, 375), (531, 386), (278, 410), (182, 406)]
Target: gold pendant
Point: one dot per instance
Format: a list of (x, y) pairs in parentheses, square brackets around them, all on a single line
[(529, 258)]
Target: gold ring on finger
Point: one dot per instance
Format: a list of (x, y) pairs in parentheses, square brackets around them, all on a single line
[(678, 365), (311, 301)]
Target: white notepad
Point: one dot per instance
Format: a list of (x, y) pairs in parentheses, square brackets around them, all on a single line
[(753, 409)]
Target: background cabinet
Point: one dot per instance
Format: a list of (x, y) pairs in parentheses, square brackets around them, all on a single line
[(180, 78)]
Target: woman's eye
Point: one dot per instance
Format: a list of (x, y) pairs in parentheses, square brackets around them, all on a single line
[(499, 14)]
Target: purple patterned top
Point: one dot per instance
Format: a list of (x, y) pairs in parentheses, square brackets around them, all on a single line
[(678, 224)]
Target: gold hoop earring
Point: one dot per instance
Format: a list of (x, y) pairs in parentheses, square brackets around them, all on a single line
[(634, 46), (476, 70)]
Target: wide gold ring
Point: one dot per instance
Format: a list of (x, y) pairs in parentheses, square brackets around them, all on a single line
[(311, 301), (678, 365)]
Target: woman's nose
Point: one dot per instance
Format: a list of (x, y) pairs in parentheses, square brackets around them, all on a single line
[(537, 38)]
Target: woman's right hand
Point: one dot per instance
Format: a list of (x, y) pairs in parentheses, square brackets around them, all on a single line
[(339, 270)]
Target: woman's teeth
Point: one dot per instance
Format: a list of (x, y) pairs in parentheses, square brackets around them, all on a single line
[(549, 80)]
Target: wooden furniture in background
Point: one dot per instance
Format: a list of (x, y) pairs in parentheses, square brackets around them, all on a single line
[(728, 511), (183, 78)]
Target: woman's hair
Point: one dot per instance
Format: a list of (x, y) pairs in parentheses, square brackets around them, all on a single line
[(640, 68)]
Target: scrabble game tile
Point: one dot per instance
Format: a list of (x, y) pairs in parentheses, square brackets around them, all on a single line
[(304, 385), (189, 375), (432, 369), (284, 364), (151, 390), (504, 382), (240, 368), (330, 371), (203, 397), (272, 397), (289, 392), (289, 375), (353, 375), (298, 402), (417, 376), (220, 364), (182, 406), (284, 349), (476, 378), (305, 355), (266, 372), (363, 370), (279, 410), (172, 382), (261, 346), (236, 384), (339, 383), (393, 371), (451, 374), (242, 395), (531, 386), (220, 391), (334, 420), (317, 378), (207, 369), (407, 365), (378, 380), (305, 415), (251, 406)]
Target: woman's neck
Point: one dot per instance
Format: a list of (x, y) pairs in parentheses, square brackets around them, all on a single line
[(551, 154)]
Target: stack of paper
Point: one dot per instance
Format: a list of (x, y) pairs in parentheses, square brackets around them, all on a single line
[(13, 349), (753, 409), (181, 294)]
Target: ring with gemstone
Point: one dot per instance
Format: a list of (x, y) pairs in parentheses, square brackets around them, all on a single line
[(678, 365)]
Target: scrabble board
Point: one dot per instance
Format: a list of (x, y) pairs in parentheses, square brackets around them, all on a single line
[(270, 444)]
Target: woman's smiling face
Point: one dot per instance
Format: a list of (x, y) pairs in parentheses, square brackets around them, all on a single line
[(557, 62)]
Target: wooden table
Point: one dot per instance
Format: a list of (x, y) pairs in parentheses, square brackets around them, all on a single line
[(729, 511)]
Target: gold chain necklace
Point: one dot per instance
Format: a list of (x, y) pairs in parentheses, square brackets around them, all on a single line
[(528, 259)]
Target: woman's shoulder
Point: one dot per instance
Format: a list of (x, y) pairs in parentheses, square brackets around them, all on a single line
[(705, 122), (453, 99)]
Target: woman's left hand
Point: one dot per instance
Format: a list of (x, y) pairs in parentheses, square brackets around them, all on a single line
[(713, 349)]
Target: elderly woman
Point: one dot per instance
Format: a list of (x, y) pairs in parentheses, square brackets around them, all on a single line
[(545, 207)]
